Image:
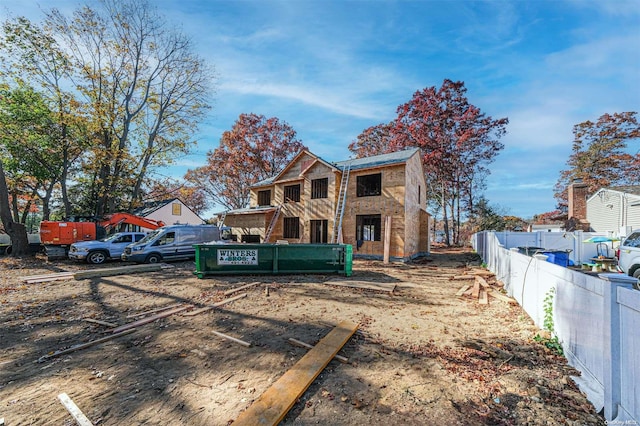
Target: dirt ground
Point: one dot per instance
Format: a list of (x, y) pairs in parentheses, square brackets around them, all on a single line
[(422, 355)]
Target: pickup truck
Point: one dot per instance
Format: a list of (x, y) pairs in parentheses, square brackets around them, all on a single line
[(99, 251), (629, 255)]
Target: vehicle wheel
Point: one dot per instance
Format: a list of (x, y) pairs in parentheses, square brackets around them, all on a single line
[(153, 258), (97, 257), (7, 251), (636, 273)]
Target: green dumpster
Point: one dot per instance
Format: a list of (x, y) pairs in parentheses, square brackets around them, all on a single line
[(222, 259)]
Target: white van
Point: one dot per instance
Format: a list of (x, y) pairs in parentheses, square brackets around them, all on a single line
[(173, 243), (629, 255)]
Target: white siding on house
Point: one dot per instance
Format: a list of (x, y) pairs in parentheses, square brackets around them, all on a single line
[(610, 211), (176, 213)]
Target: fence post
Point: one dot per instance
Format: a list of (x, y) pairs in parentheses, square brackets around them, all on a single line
[(612, 370)]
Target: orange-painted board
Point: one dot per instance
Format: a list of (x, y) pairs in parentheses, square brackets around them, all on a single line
[(271, 407)]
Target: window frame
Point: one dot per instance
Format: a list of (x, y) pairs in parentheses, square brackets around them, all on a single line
[(291, 227), (320, 188), (323, 232), (261, 196), (291, 193), (372, 223), (369, 185)]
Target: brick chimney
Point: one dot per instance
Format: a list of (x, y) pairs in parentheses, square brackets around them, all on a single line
[(578, 192)]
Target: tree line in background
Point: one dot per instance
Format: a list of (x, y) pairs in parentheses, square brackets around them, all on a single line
[(93, 105)]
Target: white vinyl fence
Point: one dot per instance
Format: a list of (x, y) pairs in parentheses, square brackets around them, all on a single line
[(596, 318)]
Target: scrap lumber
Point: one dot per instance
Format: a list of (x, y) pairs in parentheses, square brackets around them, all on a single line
[(122, 270), (215, 305), (463, 290), (73, 409), (482, 281), (302, 344), (57, 276), (83, 345), (151, 318), (153, 311), (233, 339), (367, 285), (483, 297), (235, 290), (271, 407), (105, 323), (501, 296), (475, 292), (463, 277)]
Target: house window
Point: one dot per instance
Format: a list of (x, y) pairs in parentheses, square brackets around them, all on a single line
[(176, 209), (320, 188), (319, 231), (368, 227), (264, 198), (292, 193), (250, 238), (291, 227), (369, 185)]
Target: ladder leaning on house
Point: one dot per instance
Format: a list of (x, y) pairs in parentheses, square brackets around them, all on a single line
[(221, 219), (336, 236), (272, 224)]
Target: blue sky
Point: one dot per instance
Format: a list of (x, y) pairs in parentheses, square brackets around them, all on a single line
[(333, 68)]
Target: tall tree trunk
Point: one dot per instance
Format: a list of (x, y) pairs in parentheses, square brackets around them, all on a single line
[(17, 231)]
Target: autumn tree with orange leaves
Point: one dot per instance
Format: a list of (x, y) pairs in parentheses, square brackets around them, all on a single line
[(600, 155), (256, 148)]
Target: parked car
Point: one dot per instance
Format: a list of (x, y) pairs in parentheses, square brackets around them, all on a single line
[(173, 243), (629, 255), (99, 251)]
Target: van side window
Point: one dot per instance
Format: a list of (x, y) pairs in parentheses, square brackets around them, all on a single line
[(168, 238)]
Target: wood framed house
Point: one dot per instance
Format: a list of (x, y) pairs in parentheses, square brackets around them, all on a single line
[(363, 202)]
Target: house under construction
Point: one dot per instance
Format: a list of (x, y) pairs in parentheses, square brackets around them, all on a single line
[(377, 204)]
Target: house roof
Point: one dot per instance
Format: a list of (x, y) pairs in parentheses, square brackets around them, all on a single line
[(628, 189), (381, 160), (397, 157), (251, 210)]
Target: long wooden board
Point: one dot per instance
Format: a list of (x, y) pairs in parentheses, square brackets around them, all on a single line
[(363, 285), (122, 270), (73, 409), (271, 407)]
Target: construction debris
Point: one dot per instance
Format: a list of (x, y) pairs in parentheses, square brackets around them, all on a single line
[(73, 409), (56, 276), (271, 407), (83, 346), (235, 290), (153, 311), (105, 323), (122, 270), (481, 289), (367, 285), (302, 344), (215, 305), (233, 339), (151, 318)]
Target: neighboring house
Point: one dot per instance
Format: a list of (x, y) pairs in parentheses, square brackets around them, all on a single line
[(546, 227), (171, 212), (615, 210), (363, 202)]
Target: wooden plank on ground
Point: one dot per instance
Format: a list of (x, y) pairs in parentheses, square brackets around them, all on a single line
[(463, 277), (122, 270), (367, 285), (105, 323), (233, 339), (33, 279), (235, 290), (501, 296), (302, 344), (462, 290), (215, 305), (83, 345), (73, 409), (475, 292), (151, 318), (483, 298), (271, 407), (482, 281), (153, 311)]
